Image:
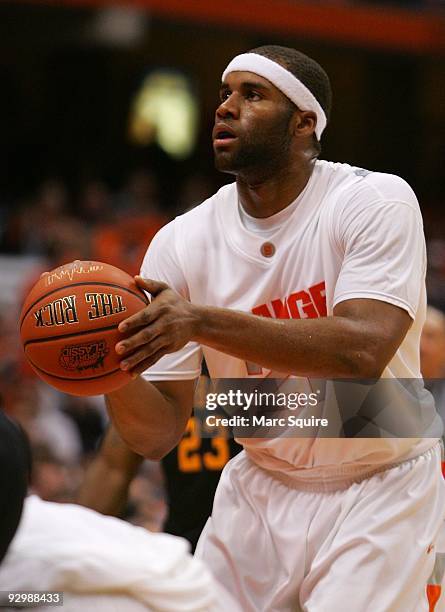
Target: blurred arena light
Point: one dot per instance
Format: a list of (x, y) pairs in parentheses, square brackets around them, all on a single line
[(165, 110), (119, 26)]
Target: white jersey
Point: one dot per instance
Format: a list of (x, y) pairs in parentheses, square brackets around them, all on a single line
[(350, 234)]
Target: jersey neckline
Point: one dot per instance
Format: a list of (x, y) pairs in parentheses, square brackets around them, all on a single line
[(249, 242)]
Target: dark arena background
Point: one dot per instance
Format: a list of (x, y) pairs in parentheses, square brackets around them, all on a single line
[(106, 114)]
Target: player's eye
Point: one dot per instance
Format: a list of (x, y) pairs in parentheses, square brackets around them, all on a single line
[(253, 95), (224, 94)]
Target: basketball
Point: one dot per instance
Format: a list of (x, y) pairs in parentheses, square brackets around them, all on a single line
[(68, 326)]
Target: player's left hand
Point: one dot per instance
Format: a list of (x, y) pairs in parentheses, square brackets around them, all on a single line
[(163, 326)]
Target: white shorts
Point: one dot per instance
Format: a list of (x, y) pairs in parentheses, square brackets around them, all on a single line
[(368, 548)]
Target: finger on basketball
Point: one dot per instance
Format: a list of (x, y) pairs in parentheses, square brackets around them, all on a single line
[(139, 319), (132, 361), (144, 337), (152, 286)]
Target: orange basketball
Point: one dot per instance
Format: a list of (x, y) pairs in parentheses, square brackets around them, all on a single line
[(68, 326)]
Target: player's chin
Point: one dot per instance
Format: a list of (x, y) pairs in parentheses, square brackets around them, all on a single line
[(224, 161)]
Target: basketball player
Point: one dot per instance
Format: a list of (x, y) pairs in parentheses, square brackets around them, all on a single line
[(332, 257), (432, 355)]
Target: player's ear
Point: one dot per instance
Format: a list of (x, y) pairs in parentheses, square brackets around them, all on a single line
[(304, 123)]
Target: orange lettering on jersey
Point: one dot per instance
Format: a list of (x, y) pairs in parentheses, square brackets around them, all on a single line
[(280, 309), (304, 304), (189, 459), (301, 306), (262, 311), (219, 456), (318, 293), (192, 458)]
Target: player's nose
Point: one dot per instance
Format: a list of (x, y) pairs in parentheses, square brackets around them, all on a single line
[(228, 108)]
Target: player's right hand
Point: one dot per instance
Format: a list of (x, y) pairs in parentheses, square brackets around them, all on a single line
[(162, 327)]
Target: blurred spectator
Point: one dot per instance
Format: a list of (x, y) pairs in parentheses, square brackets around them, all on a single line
[(435, 280), (432, 345), (122, 241), (10, 351), (45, 219), (95, 203), (89, 416), (69, 241), (140, 194), (53, 479), (432, 356), (45, 226), (13, 226), (147, 503), (37, 408), (195, 189), (39, 221)]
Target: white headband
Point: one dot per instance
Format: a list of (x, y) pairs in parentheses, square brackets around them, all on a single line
[(284, 80)]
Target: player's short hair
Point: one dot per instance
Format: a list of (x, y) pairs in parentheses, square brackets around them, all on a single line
[(307, 70)]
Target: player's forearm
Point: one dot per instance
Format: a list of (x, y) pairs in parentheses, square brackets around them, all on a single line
[(104, 489), (332, 346), (145, 419), (358, 341)]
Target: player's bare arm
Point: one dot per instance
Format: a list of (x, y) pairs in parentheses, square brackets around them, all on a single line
[(357, 341), (151, 417), (106, 483)]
